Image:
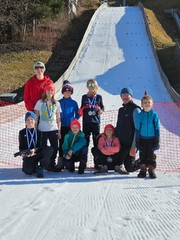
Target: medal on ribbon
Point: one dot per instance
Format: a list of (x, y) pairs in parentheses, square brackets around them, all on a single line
[(92, 103), (49, 109), (33, 138), (109, 159)]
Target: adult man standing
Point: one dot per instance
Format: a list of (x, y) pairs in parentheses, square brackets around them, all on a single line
[(34, 87), (125, 129)]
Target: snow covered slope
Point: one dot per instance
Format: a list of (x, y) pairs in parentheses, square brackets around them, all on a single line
[(117, 53)]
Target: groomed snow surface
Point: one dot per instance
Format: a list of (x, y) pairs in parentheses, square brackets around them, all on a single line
[(68, 206)]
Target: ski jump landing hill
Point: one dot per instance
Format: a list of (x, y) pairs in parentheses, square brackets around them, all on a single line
[(117, 51)]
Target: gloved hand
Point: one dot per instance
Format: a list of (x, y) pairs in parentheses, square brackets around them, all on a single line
[(156, 144), (138, 144)]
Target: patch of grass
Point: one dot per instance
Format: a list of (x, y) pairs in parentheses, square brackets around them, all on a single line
[(160, 37), (17, 68), (164, 33)]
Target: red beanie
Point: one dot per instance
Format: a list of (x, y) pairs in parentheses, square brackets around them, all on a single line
[(75, 122), (49, 87), (109, 126)]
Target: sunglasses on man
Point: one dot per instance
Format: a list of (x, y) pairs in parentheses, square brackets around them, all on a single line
[(39, 67)]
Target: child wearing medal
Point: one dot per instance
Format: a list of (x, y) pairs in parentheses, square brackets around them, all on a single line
[(106, 154), (91, 109), (69, 112), (48, 121), (30, 139)]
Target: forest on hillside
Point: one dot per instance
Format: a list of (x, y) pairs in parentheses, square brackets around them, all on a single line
[(20, 18)]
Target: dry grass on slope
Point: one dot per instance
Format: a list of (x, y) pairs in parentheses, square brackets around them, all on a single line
[(161, 38), (16, 68)]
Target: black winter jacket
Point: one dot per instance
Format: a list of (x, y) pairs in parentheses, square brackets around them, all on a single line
[(125, 128), (23, 145)]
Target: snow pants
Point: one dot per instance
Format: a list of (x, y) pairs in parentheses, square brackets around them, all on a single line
[(146, 152), (80, 156), (101, 159)]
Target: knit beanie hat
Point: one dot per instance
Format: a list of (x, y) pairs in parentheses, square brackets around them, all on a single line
[(39, 63), (67, 87), (109, 126), (49, 87), (30, 114), (127, 91), (75, 122)]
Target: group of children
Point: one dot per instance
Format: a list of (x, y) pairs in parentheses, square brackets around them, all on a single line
[(57, 121)]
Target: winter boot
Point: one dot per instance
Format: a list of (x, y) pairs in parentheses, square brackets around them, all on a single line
[(56, 169), (60, 163), (51, 165), (80, 170), (101, 169), (71, 167), (142, 173), (105, 168), (151, 172), (82, 167), (120, 169), (143, 169), (39, 172)]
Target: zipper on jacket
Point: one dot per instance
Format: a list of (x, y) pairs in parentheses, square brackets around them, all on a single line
[(147, 122)]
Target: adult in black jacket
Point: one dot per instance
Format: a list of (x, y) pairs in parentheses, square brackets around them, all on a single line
[(125, 129)]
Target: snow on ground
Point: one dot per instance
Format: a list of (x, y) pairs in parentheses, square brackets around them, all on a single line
[(68, 206)]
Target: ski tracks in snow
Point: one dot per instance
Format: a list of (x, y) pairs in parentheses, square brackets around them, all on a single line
[(112, 207)]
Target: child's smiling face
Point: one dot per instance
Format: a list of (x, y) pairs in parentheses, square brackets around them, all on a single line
[(49, 93), (147, 105), (30, 123), (75, 128), (109, 132)]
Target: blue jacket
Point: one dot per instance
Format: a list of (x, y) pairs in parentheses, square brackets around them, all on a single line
[(147, 125), (73, 142), (69, 112)]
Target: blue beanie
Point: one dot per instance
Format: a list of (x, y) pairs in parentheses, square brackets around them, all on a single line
[(127, 91), (30, 114)]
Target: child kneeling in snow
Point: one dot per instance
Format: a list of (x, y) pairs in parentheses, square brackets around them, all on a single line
[(106, 154), (147, 137), (74, 148), (30, 139)]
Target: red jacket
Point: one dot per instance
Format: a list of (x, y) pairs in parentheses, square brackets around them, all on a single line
[(108, 147), (33, 91)]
